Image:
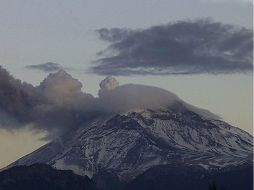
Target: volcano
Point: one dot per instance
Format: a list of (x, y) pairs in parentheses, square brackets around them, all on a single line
[(139, 127)]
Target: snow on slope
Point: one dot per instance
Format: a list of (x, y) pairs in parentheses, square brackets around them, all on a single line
[(132, 142)]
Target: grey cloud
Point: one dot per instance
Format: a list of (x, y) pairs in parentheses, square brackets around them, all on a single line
[(16, 98), (107, 84), (47, 67), (113, 34), (58, 105), (184, 47), (128, 97), (131, 96)]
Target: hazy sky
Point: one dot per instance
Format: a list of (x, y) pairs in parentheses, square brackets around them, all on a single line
[(63, 31)]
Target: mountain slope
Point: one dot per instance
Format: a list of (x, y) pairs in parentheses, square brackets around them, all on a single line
[(132, 142)]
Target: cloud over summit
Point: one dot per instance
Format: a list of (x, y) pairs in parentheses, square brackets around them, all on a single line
[(58, 105), (185, 47)]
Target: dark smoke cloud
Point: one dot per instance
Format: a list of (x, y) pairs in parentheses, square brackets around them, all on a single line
[(46, 67), (16, 98), (58, 105), (186, 47)]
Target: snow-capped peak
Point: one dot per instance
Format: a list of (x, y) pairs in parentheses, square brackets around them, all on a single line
[(131, 143)]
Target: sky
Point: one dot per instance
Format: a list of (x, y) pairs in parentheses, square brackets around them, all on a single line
[(64, 32)]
